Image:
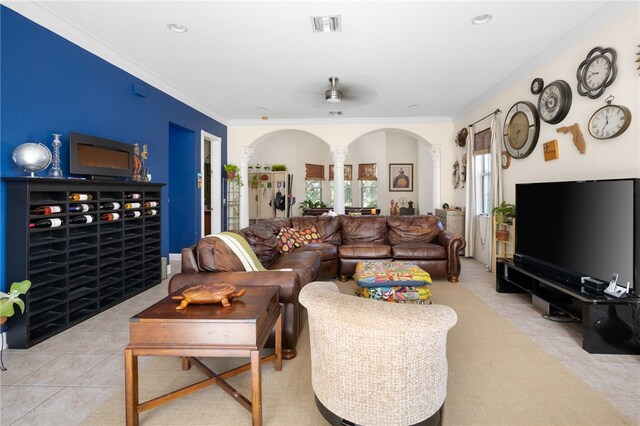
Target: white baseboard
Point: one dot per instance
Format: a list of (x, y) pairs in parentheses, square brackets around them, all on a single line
[(175, 257)]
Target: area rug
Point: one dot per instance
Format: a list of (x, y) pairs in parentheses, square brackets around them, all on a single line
[(497, 376)]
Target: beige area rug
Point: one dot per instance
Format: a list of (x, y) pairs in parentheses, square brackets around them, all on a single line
[(497, 376)]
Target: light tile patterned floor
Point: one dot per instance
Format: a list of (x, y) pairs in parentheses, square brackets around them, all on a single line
[(64, 379)]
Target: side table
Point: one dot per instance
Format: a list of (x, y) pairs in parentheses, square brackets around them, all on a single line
[(240, 330)]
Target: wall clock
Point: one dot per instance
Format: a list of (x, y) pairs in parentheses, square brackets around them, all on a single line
[(505, 160), (536, 86), (596, 72), (555, 101), (521, 129), (609, 121)]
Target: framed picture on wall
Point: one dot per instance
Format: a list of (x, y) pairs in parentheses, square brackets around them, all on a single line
[(401, 177)]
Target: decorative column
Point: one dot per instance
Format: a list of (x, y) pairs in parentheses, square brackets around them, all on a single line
[(435, 156), (339, 154), (245, 154)]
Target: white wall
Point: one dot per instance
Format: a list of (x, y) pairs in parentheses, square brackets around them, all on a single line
[(618, 157)]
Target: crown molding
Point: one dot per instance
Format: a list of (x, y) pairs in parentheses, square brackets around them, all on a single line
[(43, 16), (339, 120)]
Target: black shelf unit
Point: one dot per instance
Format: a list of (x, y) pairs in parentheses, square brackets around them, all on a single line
[(78, 269), (609, 325)]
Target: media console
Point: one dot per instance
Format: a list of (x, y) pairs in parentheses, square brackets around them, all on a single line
[(609, 325)]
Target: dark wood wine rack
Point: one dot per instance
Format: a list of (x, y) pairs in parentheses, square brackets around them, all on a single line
[(77, 270)]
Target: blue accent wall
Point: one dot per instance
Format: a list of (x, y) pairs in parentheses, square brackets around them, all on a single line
[(50, 85)]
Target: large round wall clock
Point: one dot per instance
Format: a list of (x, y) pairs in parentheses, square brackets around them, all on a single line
[(555, 101), (596, 72), (521, 129), (609, 121)]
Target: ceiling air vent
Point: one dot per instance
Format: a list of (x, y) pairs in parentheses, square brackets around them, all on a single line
[(326, 24)]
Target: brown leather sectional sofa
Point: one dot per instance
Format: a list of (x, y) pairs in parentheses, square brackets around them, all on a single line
[(346, 240)]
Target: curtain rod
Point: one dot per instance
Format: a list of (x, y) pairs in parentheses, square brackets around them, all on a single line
[(497, 111)]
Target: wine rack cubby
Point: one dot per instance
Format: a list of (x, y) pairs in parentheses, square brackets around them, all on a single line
[(78, 269)]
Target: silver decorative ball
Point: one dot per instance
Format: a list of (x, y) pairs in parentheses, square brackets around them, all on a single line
[(32, 157)]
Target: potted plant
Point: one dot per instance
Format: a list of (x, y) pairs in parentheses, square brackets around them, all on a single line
[(254, 181), (505, 213), (231, 170), (278, 168), (7, 300), (310, 204)]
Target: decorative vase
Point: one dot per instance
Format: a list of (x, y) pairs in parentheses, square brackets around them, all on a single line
[(2, 321), (231, 175), (502, 234)]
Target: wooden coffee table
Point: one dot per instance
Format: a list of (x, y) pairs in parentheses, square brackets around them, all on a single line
[(239, 330)]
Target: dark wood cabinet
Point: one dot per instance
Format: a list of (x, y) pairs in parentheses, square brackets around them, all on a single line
[(83, 266)]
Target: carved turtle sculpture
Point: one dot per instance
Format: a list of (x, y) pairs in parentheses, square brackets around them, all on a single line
[(205, 294)]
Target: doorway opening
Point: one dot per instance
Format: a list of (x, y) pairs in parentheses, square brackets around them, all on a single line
[(211, 194)]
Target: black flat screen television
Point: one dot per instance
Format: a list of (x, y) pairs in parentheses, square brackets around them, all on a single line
[(99, 157), (573, 229)]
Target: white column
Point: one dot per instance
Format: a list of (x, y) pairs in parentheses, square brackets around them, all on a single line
[(435, 156), (245, 155), (339, 154)]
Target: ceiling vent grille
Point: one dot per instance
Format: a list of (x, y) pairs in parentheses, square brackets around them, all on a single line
[(326, 24)]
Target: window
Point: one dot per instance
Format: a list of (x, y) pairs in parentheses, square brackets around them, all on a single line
[(314, 176), (368, 178), (348, 177), (348, 195), (369, 193), (313, 190), (482, 158)]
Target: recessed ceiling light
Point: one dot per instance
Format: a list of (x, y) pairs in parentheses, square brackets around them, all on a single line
[(481, 19), (326, 24), (335, 113), (177, 28), (414, 106)]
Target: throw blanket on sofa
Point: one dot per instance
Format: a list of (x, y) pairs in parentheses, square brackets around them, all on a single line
[(242, 249)]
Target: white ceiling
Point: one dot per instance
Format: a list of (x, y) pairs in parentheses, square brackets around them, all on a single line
[(239, 56)]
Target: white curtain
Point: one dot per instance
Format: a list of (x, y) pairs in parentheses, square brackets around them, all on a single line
[(497, 194), (470, 198)]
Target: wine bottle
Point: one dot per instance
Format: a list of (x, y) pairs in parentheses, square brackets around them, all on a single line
[(150, 204), (151, 212), (83, 218), (46, 210), (134, 196), (110, 216), (110, 206), (80, 197), (132, 205), (133, 213), (46, 223), (81, 207)]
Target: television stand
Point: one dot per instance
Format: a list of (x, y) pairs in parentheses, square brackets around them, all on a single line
[(609, 325)]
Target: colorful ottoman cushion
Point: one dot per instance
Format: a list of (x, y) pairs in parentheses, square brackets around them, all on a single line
[(389, 274), (396, 294)]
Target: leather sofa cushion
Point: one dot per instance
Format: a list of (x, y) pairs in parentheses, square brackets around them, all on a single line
[(305, 263), (328, 227), (214, 256), (263, 243), (412, 229), (276, 223), (418, 251), (369, 229), (325, 250), (364, 250)]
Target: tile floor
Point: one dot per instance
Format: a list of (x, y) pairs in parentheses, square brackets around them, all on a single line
[(64, 379)]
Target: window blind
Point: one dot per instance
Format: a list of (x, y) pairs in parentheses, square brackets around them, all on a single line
[(367, 171), (348, 172), (482, 142), (314, 171)]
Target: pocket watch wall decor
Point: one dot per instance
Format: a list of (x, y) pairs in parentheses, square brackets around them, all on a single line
[(596, 72), (536, 86), (554, 102), (609, 121), (521, 129), (505, 159)]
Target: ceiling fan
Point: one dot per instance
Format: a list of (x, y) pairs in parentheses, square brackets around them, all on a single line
[(352, 93)]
